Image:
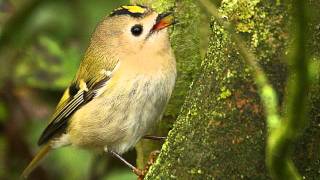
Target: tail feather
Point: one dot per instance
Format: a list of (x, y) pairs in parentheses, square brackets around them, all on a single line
[(36, 160)]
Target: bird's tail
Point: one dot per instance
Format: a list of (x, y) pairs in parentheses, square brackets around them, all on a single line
[(36, 160)]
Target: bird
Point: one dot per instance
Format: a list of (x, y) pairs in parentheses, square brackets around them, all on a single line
[(123, 84)]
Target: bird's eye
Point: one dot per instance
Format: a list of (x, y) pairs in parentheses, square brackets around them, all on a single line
[(137, 29)]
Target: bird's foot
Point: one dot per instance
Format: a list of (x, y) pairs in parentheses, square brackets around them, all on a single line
[(152, 159), (140, 173)]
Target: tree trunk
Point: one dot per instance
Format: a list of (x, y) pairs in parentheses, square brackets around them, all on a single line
[(221, 130)]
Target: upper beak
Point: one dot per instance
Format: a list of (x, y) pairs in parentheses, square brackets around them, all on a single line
[(163, 20)]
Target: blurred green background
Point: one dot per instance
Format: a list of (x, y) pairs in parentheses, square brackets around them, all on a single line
[(41, 44)]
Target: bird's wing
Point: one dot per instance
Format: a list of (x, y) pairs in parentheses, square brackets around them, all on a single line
[(78, 94)]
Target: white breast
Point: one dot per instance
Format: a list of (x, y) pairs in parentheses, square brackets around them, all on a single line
[(148, 99)]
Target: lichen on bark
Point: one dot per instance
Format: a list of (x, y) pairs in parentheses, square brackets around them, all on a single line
[(220, 132)]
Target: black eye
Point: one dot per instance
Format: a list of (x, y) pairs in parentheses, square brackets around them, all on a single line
[(137, 29)]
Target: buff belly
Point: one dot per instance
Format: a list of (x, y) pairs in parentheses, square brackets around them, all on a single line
[(117, 120)]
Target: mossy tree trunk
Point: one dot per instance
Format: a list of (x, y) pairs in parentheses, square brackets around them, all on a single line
[(221, 131)]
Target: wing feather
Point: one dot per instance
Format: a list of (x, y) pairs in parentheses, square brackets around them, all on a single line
[(71, 104)]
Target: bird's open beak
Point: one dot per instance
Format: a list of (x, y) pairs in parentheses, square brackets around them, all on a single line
[(163, 20)]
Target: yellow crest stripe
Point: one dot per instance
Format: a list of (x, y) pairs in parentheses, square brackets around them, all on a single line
[(135, 9)]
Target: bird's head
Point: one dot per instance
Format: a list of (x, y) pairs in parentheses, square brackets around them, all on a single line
[(133, 30)]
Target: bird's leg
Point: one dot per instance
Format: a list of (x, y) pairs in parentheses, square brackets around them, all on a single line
[(158, 138), (137, 171)]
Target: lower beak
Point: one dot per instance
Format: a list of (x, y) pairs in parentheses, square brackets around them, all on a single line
[(163, 20)]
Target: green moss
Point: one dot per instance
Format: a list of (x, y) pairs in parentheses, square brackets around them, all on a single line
[(225, 93), (230, 144), (220, 132)]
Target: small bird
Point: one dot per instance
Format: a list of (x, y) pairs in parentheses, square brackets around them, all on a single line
[(120, 91)]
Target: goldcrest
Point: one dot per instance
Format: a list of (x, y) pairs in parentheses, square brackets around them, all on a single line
[(122, 86)]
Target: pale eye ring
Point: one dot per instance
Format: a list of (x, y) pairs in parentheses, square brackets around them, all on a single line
[(137, 30)]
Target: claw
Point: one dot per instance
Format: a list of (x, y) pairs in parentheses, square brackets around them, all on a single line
[(140, 173)]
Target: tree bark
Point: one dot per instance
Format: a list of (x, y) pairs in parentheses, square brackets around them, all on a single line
[(221, 130)]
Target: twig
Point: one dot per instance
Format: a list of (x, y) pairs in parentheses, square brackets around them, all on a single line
[(280, 143)]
